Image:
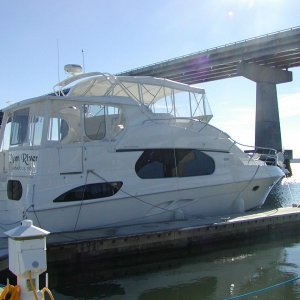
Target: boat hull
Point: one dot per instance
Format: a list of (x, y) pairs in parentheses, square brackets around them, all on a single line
[(198, 202)]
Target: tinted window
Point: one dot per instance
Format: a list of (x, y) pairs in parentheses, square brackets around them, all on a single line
[(193, 163), (90, 191), (156, 163), (161, 163)]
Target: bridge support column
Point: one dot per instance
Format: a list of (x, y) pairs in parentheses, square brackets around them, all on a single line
[(267, 122)]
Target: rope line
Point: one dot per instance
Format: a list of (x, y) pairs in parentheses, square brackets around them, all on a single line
[(133, 196), (263, 289), (81, 202)]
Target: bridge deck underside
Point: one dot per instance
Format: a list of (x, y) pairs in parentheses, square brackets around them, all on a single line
[(279, 50)]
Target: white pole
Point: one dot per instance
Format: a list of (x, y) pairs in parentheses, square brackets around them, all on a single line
[(83, 66)]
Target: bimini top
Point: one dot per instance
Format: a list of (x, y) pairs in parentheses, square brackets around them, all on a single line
[(144, 89), (158, 94)]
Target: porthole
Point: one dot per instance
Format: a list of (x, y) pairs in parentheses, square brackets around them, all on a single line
[(14, 189)]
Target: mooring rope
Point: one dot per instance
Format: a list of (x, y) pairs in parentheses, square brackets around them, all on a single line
[(263, 289)]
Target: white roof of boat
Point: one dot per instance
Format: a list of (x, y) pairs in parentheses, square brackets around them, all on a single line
[(144, 89), (96, 86), (99, 99), (145, 80)]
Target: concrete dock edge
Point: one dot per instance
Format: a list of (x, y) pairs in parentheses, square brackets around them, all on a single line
[(111, 243)]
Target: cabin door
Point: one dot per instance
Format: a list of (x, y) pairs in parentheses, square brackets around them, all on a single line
[(70, 159)]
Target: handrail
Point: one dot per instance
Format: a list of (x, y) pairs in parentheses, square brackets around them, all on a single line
[(175, 118), (268, 155)]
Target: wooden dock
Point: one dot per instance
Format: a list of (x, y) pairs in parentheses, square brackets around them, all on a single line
[(88, 245)]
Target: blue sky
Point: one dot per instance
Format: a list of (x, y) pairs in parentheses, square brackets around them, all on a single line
[(120, 35)]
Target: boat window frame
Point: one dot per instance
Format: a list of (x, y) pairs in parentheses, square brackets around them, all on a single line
[(91, 191), (19, 135), (164, 163), (99, 119), (63, 123), (6, 133), (111, 121), (36, 129), (14, 189)]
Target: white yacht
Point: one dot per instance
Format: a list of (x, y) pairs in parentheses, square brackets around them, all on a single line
[(106, 151)]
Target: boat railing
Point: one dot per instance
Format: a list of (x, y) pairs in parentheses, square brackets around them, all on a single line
[(264, 154), (169, 118)]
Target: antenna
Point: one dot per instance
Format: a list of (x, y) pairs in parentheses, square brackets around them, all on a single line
[(58, 75), (83, 67)]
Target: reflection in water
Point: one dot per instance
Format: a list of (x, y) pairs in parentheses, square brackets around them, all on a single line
[(215, 275), (91, 290), (203, 287)]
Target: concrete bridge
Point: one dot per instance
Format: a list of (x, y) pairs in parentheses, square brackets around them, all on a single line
[(264, 59)]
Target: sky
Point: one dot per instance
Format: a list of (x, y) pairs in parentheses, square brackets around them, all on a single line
[(39, 37)]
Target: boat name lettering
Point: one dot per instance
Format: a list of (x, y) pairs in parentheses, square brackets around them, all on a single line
[(27, 159), (24, 158)]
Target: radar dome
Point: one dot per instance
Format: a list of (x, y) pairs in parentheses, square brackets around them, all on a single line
[(73, 69)]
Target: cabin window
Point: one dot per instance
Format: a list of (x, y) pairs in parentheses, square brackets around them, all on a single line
[(190, 162), (162, 102), (94, 121), (36, 130), (156, 163), (64, 123), (114, 120), (19, 126), (6, 135), (162, 163), (57, 130), (91, 191), (102, 120)]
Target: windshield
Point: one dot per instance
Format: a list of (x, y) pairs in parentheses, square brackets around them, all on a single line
[(23, 127), (19, 127)]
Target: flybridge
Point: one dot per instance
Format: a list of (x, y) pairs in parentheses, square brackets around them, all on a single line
[(159, 95)]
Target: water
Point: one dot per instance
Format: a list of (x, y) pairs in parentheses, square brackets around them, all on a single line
[(287, 192), (216, 274)]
